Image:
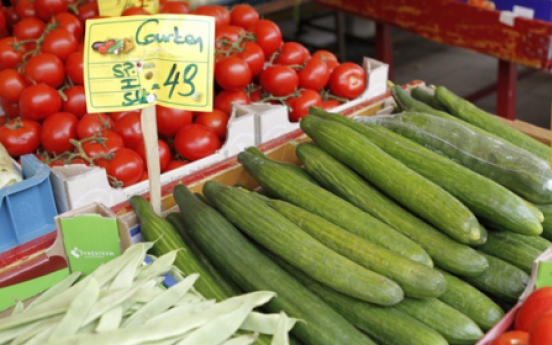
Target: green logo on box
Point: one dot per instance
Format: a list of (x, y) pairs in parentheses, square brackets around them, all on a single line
[(89, 241)]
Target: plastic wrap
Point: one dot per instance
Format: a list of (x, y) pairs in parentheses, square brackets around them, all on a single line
[(525, 174)]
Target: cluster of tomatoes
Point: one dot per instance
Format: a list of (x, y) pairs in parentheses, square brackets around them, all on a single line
[(533, 321), (43, 97)]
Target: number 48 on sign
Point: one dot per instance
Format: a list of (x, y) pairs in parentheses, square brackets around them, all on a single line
[(138, 61)]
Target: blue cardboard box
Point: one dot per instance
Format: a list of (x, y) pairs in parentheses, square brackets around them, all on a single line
[(542, 8), (27, 208)]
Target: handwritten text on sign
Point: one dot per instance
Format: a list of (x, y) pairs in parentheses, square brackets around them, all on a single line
[(136, 61)]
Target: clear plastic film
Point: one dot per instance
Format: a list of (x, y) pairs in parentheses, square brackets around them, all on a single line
[(523, 173)]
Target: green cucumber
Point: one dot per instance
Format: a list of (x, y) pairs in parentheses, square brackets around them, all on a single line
[(157, 229), (386, 325), (467, 299), (484, 197), (509, 249), (538, 242), (285, 184), (523, 173), (469, 112), (342, 181), (424, 96), (272, 230), (547, 222), (454, 326), (178, 224), (411, 189), (231, 252), (501, 280), (415, 279)]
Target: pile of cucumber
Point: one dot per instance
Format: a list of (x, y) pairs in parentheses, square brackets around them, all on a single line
[(405, 229)]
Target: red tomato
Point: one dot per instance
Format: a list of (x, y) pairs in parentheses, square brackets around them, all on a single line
[(300, 105), (315, 75), (537, 303), (175, 7), (328, 57), (217, 120), (115, 116), (292, 53), (253, 55), (12, 84), (29, 29), (11, 109), (10, 57), (39, 101), (256, 95), (59, 42), (20, 136), (227, 34), (243, 15), (232, 73), (196, 141), (224, 100), (135, 11), (45, 68), (348, 80), (126, 167), (57, 131), (25, 9), (93, 123), (87, 11), (175, 164), (46, 9), (268, 35), (130, 129), (221, 14), (330, 104), (74, 67), (75, 102), (170, 120), (69, 22), (102, 143), (10, 17), (512, 338), (279, 80), (541, 331), (164, 153)]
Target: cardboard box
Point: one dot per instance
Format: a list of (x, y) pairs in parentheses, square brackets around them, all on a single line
[(79, 185), (27, 208)]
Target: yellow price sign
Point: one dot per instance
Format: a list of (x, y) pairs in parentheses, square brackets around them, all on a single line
[(110, 8), (137, 61)]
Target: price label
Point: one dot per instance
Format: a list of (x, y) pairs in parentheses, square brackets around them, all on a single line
[(137, 61), (110, 8)]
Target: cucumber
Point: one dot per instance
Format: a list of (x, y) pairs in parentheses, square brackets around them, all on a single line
[(178, 224), (415, 279), (501, 280), (454, 326), (272, 230), (470, 301), (547, 222), (285, 184), (386, 325), (511, 250), (484, 197), (469, 112), (342, 181), (424, 96), (156, 229), (231, 252), (412, 190), (538, 242), (521, 172)]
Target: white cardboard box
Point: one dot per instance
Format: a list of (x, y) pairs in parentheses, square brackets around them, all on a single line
[(78, 185)]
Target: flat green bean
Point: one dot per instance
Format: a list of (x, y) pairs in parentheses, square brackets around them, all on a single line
[(55, 290), (159, 266), (265, 323), (246, 339)]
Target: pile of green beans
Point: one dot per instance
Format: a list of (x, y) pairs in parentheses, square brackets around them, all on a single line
[(123, 302)]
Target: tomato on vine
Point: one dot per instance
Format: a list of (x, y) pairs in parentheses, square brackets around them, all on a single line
[(268, 36), (12, 84), (300, 105), (59, 42), (196, 141), (57, 132), (243, 15), (93, 123), (75, 101), (315, 75), (164, 153), (170, 120), (129, 127), (20, 136), (279, 80), (216, 119), (46, 9), (45, 68), (126, 167), (292, 53), (224, 100), (232, 73), (39, 101), (348, 80)]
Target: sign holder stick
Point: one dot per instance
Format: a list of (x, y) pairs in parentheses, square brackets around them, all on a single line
[(149, 132)]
